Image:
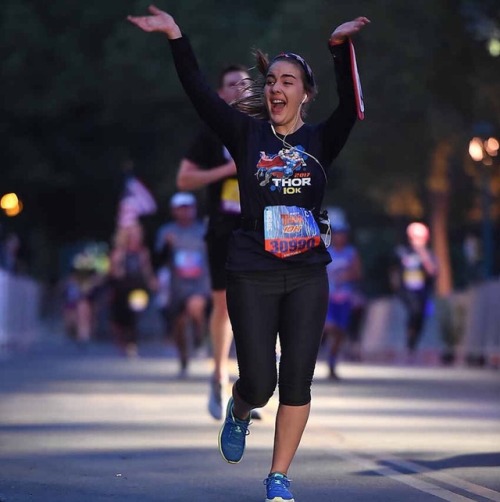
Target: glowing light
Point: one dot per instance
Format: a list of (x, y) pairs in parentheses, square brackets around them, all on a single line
[(491, 146), (14, 211), (476, 149), (138, 300), (11, 204), (494, 47), (9, 201)]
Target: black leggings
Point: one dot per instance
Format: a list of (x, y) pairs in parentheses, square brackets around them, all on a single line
[(292, 303)]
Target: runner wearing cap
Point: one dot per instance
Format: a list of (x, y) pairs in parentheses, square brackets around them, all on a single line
[(181, 243)]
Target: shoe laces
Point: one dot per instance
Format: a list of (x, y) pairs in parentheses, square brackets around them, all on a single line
[(238, 426), (279, 481)]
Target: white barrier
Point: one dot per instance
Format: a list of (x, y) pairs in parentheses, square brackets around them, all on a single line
[(482, 328), (467, 322), (383, 334), (19, 310)]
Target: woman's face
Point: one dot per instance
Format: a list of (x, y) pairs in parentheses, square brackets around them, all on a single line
[(284, 93)]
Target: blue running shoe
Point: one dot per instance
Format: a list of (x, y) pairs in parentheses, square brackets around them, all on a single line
[(277, 485), (232, 436)]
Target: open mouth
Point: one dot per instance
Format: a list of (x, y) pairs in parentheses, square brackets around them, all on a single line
[(277, 105)]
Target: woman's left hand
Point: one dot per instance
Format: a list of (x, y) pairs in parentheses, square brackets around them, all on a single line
[(346, 30)]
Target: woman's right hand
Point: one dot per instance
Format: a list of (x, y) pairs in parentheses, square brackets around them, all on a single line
[(158, 21), (346, 30)]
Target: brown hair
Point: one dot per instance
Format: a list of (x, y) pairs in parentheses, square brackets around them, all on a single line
[(252, 103)]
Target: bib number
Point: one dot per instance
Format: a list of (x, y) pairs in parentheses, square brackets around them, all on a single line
[(289, 230), (414, 279)]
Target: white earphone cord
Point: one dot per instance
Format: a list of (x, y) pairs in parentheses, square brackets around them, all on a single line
[(288, 145)]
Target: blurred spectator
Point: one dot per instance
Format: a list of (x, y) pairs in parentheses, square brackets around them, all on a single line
[(136, 199), (80, 291), (10, 254), (413, 277), (182, 245), (78, 296), (131, 281), (473, 260), (358, 310), (343, 272)]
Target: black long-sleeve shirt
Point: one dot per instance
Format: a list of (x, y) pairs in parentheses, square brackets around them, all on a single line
[(268, 175)]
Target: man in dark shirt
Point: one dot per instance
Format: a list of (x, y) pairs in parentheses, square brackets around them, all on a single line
[(415, 270), (208, 163)]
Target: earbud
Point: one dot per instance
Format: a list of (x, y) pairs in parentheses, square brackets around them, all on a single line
[(304, 100)]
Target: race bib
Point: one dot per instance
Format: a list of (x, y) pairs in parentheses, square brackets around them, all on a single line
[(414, 279), (289, 230), (230, 197), (188, 263)]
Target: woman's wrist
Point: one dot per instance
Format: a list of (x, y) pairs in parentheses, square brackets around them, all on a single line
[(337, 40), (173, 33)]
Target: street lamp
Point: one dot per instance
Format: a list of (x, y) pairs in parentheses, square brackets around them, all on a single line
[(485, 153), (11, 204)]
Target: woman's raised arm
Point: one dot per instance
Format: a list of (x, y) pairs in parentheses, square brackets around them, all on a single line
[(221, 117), (159, 21)]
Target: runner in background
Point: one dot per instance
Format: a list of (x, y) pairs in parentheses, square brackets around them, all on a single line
[(131, 276), (413, 279), (181, 244), (131, 281), (207, 163), (343, 272)]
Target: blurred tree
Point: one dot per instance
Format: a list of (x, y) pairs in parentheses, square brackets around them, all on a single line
[(83, 90), (427, 77)]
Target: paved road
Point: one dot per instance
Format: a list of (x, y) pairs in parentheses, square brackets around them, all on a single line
[(96, 427)]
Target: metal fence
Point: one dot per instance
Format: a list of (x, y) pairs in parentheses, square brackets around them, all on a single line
[(20, 299)]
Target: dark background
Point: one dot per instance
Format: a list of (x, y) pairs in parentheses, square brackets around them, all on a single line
[(83, 90)]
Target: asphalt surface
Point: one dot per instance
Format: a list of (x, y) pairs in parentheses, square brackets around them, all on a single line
[(94, 426)]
